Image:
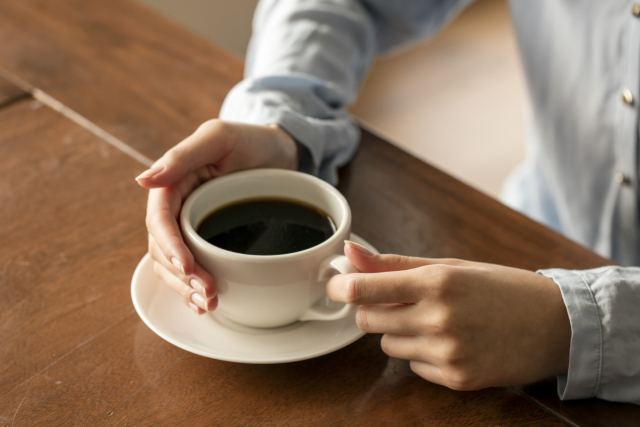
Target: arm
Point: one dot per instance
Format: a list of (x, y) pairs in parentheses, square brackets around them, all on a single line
[(470, 325), (307, 60), (465, 325)]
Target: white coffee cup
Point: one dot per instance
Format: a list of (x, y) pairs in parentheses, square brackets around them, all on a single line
[(274, 290)]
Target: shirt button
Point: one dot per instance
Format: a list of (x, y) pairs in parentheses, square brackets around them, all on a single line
[(622, 178), (627, 97), (636, 10)]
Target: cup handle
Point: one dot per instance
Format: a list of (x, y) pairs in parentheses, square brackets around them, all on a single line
[(335, 264)]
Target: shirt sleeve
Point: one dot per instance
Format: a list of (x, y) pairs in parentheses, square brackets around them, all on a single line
[(306, 62), (604, 311)]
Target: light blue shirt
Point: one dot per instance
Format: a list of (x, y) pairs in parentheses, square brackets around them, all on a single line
[(307, 59)]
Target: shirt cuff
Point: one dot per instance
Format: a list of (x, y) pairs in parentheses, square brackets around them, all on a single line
[(585, 354), (328, 135), (305, 161)]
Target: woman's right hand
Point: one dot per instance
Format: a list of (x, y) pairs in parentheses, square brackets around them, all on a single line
[(214, 149)]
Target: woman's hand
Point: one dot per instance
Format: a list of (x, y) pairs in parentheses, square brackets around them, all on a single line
[(214, 149), (465, 325)]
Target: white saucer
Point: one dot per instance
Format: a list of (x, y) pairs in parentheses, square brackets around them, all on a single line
[(213, 336)]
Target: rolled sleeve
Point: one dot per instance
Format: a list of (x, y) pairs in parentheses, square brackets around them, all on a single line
[(585, 355), (603, 305), (292, 102), (307, 60)]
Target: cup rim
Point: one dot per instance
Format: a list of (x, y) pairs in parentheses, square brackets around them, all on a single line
[(189, 231)]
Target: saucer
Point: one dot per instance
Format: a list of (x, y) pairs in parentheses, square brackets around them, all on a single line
[(214, 336)]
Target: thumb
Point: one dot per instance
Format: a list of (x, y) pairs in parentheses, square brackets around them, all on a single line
[(212, 141), (368, 262)]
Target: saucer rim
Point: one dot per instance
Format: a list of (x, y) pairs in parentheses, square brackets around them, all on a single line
[(217, 356)]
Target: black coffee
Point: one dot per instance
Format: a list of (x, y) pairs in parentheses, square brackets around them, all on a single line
[(266, 227)]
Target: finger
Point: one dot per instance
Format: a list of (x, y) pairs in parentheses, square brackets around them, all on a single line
[(368, 262), (201, 281), (409, 347), (212, 141), (177, 286), (445, 353), (429, 372), (189, 296), (454, 379), (397, 287), (162, 212), (399, 319)]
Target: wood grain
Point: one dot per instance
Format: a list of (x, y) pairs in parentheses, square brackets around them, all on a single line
[(143, 79), (587, 412), (403, 205), (75, 353), (73, 349), (10, 93), (71, 227)]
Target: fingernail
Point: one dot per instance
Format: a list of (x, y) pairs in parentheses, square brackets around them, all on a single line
[(195, 284), (177, 264), (193, 307), (151, 172), (364, 251), (199, 301)]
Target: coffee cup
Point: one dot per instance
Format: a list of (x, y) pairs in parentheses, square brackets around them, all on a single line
[(274, 290)]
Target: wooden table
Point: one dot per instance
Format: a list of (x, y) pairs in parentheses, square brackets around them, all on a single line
[(73, 351)]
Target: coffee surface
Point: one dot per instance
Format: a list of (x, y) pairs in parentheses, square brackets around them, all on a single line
[(266, 227)]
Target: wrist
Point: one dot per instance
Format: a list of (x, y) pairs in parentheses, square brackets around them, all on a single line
[(559, 330), (289, 154)]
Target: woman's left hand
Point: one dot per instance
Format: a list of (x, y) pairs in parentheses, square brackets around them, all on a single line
[(465, 325)]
